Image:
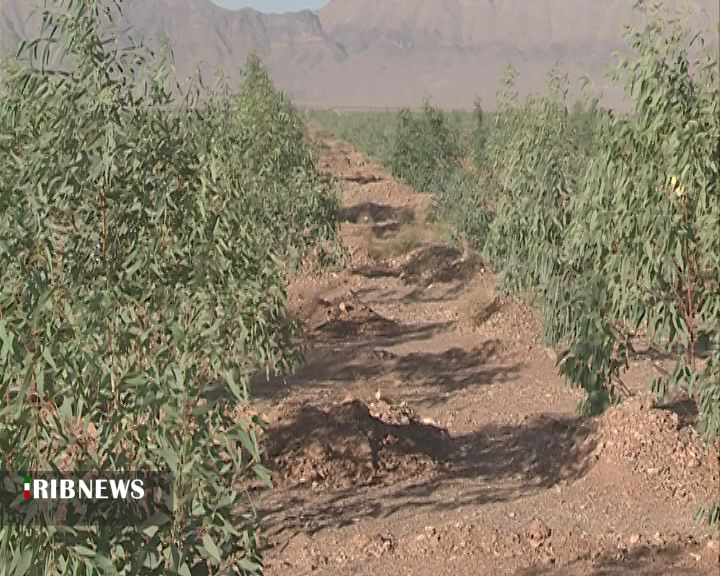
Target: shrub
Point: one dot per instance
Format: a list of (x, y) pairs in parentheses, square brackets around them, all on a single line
[(648, 216), (424, 150), (142, 284), (613, 220)]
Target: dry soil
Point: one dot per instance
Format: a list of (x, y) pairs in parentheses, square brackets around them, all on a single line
[(430, 434)]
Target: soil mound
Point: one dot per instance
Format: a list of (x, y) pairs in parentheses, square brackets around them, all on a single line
[(353, 444), (663, 445), (438, 263), (343, 315)]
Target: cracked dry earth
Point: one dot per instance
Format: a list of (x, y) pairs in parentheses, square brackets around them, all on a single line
[(429, 432)]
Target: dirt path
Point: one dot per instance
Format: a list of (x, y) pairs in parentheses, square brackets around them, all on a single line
[(430, 434)]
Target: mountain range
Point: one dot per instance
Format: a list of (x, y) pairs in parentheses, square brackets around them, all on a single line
[(390, 53)]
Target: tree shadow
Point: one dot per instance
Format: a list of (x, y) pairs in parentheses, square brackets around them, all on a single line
[(454, 369), (433, 259), (489, 311), (376, 213), (643, 349), (379, 270), (425, 378), (425, 295), (497, 463), (686, 410), (643, 561), (385, 230), (416, 294), (434, 263), (345, 350), (364, 179)]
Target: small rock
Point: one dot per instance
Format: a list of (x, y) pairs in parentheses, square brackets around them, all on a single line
[(547, 560), (348, 399), (711, 554), (538, 531)]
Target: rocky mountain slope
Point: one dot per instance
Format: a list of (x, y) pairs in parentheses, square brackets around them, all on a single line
[(375, 53)]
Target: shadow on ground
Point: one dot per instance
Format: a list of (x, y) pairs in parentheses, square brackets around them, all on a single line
[(378, 270), (364, 179), (343, 350), (415, 294), (385, 230), (455, 369), (504, 463), (642, 561), (436, 263), (686, 410), (419, 377), (376, 213)]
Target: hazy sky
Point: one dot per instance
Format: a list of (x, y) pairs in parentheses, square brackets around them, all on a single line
[(273, 5)]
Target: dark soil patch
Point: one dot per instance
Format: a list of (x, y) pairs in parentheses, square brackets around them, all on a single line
[(353, 444)]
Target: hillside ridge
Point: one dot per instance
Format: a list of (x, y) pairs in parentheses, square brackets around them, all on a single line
[(374, 53)]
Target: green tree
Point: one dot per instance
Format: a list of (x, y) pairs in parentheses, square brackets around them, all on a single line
[(424, 151), (140, 289)]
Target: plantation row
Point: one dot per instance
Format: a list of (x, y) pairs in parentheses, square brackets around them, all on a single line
[(611, 221), (146, 239)]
